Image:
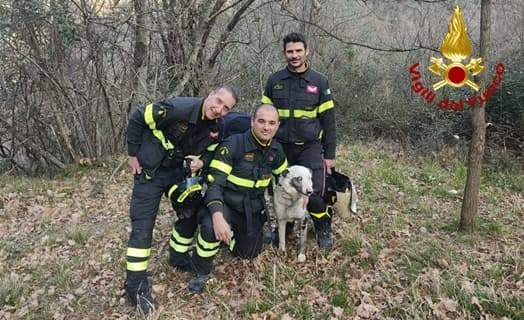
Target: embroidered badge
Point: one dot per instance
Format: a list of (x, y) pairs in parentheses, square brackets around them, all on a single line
[(278, 86), (182, 127), (223, 151), (311, 89), (213, 134), (249, 156)]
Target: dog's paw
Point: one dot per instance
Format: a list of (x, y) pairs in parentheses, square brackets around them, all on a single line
[(301, 257)]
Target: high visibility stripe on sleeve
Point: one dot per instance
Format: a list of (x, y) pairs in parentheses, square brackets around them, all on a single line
[(222, 166), (137, 266), (148, 117), (212, 147), (326, 106), (282, 167), (150, 121), (266, 100), (138, 253)]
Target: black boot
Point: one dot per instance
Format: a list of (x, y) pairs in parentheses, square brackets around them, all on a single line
[(323, 232), (198, 283), (139, 293), (180, 261)]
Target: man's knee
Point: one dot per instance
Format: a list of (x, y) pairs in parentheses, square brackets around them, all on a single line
[(141, 235), (248, 248)]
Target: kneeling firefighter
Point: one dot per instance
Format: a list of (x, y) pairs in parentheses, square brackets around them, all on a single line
[(161, 136), (239, 173)]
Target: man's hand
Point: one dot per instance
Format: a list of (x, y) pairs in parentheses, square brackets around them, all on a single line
[(135, 166), (195, 164), (330, 164), (221, 227)]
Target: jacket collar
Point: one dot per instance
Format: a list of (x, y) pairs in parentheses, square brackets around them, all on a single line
[(306, 75), (251, 143)]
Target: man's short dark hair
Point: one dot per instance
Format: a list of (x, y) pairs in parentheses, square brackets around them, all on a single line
[(232, 90), (295, 37), (255, 112)]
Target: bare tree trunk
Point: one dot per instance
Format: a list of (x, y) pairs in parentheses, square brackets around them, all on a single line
[(476, 149)]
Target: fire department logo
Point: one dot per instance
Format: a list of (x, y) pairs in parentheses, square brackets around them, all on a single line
[(456, 47)]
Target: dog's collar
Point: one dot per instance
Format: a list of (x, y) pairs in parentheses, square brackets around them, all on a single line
[(302, 193)]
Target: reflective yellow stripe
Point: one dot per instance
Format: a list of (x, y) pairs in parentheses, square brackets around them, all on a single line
[(150, 121), (282, 167), (266, 100), (222, 166), (137, 266), (148, 117), (206, 254), (298, 113), (179, 247), (193, 188), (138, 253), (326, 106), (165, 143), (181, 239), (248, 183), (207, 245), (232, 244), (319, 214), (214, 201), (171, 190), (212, 147), (210, 178), (284, 113)]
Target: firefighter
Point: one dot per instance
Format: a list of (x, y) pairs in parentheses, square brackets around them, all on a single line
[(238, 175), (162, 137), (307, 125)]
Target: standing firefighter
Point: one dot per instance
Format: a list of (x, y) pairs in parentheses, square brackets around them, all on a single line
[(162, 137), (307, 125), (238, 176)]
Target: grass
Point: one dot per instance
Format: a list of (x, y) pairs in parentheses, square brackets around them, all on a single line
[(402, 252), (10, 290), (78, 235)]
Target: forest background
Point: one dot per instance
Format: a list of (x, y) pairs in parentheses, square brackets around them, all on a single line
[(71, 73)]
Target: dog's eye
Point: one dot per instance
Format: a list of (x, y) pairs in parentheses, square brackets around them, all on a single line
[(299, 178)]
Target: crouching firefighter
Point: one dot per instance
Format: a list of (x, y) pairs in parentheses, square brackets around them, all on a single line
[(238, 175), (160, 137)]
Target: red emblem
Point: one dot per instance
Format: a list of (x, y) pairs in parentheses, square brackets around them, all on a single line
[(311, 88), (213, 134)]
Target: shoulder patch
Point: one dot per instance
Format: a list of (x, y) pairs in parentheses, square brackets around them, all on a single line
[(223, 151), (249, 156), (278, 86)]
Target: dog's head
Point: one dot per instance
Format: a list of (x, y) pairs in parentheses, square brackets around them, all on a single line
[(297, 180)]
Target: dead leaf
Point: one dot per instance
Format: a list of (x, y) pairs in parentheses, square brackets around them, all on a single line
[(366, 311), (338, 312)]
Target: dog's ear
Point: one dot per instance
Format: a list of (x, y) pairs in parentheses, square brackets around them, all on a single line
[(284, 173)]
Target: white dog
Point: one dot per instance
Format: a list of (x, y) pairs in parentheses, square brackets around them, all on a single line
[(290, 199)]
